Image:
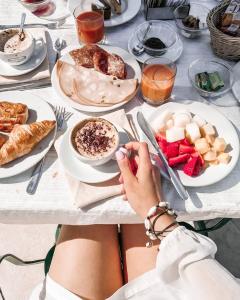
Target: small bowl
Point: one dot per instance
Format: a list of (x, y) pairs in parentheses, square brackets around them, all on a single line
[(38, 7), (224, 70), (21, 56), (90, 160), (160, 30), (196, 10)]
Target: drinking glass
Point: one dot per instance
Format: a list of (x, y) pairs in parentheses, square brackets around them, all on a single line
[(158, 76), (90, 26)]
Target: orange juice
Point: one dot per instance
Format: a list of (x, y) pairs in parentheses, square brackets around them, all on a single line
[(157, 82)]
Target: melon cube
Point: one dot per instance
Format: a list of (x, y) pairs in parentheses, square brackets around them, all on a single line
[(202, 145), (181, 119), (214, 162), (174, 134), (159, 124), (224, 158), (207, 129), (169, 124), (192, 132), (219, 144), (210, 139), (200, 122), (211, 155)]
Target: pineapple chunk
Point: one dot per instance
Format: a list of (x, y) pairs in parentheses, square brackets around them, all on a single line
[(219, 144), (224, 158), (214, 162), (192, 132), (175, 134), (202, 145), (207, 129), (211, 155), (210, 139), (200, 122)]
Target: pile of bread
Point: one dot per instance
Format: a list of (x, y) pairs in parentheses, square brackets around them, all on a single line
[(98, 78), (19, 138)]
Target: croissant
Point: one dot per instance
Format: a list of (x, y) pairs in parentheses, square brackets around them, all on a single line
[(12, 114), (23, 139), (2, 140)]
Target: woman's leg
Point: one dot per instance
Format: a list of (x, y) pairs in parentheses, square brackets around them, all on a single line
[(137, 259), (87, 262)]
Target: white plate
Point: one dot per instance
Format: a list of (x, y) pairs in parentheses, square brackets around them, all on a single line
[(130, 8), (225, 130), (84, 172), (38, 56), (236, 85), (133, 68), (39, 110), (172, 54)]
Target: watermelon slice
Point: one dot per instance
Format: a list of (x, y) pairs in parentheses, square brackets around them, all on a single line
[(172, 150), (183, 149), (174, 161), (185, 142), (162, 143), (201, 160), (133, 166), (190, 166)]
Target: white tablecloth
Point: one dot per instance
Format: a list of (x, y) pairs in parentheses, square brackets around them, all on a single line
[(52, 201)]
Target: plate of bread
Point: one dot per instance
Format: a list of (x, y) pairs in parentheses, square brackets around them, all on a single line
[(27, 131), (96, 79)]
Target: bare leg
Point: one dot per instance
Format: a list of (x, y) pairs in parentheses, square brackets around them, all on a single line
[(87, 262), (137, 259)]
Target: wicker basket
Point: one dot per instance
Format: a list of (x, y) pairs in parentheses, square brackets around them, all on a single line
[(223, 45)]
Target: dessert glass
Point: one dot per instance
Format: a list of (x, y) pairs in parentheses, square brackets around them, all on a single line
[(158, 76)]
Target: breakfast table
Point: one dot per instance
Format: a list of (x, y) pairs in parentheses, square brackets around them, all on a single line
[(52, 203)]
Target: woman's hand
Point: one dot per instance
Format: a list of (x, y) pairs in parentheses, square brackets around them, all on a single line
[(142, 191)]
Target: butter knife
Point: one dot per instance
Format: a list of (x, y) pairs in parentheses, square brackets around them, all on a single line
[(173, 177)]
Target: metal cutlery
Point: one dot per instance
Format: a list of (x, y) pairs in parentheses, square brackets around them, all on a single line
[(32, 25), (139, 49), (173, 177), (61, 116), (24, 86), (59, 45), (21, 32)]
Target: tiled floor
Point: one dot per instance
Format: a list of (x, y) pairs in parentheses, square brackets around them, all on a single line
[(33, 242)]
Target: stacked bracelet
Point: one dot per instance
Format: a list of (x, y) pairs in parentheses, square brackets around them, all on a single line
[(157, 211)]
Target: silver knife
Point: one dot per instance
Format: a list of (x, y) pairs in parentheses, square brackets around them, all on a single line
[(174, 179)]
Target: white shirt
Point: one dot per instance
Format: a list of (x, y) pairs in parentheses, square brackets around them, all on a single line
[(185, 270)]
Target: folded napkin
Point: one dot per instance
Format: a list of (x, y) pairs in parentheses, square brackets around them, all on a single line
[(84, 194), (40, 74)]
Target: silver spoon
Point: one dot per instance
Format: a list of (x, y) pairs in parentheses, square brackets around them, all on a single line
[(139, 49), (60, 44), (21, 32)]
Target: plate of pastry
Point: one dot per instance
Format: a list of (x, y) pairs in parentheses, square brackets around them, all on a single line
[(116, 12), (199, 142), (27, 131), (96, 79)]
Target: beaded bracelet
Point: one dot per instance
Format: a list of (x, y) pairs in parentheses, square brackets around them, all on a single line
[(157, 211)]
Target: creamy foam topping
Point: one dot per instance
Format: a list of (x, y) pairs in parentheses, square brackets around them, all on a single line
[(14, 44), (96, 139)]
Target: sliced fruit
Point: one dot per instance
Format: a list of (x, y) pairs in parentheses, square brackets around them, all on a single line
[(172, 150), (200, 122), (202, 145), (181, 119), (219, 144), (175, 134), (192, 132), (133, 166), (214, 162), (162, 143), (169, 123), (200, 158), (185, 142), (183, 149), (174, 161), (210, 139), (189, 167), (207, 129), (197, 169), (224, 158), (210, 155)]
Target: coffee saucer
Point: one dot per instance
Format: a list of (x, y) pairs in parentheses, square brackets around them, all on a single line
[(85, 172), (38, 56)]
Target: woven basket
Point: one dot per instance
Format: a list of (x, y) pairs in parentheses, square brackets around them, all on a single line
[(223, 45)]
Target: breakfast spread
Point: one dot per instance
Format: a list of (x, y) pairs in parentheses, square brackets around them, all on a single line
[(12, 114), (189, 142), (97, 78), (22, 140), (210, 82), (107, 7), (96, 138), (230, 21)]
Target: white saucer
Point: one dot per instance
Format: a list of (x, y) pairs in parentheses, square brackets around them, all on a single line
[(236, 85), (84, 172), (38, 56), (172, 54), (129, 11)]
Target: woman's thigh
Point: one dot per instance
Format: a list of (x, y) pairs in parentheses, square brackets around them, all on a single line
[(87, 261), (137, 259)]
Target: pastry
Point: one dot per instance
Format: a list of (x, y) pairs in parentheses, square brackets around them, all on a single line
[(2, 140), (90, 87), (23, 139), (12, 114), (102, 6), (117, 6)]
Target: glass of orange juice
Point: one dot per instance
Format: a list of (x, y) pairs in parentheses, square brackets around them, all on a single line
[(158, 76)]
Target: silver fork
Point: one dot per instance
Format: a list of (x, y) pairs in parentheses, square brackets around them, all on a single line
[(54, 25), (61, 116)]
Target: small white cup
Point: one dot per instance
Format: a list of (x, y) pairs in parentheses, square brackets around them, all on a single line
[(89, 160), (20, 57)]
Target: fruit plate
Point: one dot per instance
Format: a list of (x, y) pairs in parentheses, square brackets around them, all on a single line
[(224, 128), (133, 70)]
